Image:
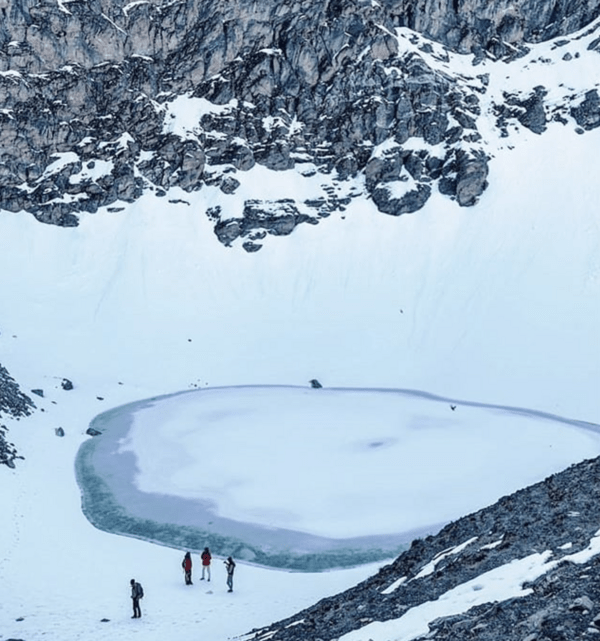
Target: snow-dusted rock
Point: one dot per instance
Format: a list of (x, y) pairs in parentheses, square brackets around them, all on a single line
[(13, 403), (87, 95)]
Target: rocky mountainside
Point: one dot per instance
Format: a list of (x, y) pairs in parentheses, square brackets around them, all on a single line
[(548, 532), (13, 403), (362, 95)]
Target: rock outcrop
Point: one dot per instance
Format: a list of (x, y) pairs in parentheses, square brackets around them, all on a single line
[(15, 404), (90, 92), (556, 519)]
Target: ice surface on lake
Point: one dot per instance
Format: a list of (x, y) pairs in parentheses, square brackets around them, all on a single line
[(294, 476)]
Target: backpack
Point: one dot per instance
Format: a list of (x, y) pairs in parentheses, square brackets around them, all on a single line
[(140, 590)]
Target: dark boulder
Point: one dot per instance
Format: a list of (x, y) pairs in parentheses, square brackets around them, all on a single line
[(587, 114)]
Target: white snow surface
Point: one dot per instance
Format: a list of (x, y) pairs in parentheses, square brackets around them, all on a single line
[(496, 304)]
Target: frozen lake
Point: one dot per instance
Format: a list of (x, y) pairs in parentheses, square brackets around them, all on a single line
[(311, 478)]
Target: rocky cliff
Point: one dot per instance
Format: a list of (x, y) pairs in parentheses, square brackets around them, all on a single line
[(364, 95), (551, 527)]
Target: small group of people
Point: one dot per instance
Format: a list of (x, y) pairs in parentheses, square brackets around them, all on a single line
[(137, 592), (206, 557)]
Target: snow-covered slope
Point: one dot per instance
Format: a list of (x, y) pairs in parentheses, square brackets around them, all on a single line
[(494, 304)]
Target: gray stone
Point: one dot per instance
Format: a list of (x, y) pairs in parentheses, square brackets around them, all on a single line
[(409, 202), (229, 184), (251, 246), (587, 114), (582, 604), (471, 177)]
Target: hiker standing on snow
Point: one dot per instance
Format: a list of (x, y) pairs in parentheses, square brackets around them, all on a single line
[(206, 557), (137, 593), (230, 567), (186, 564)]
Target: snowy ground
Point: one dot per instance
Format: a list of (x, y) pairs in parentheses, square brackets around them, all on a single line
[(495, 304)]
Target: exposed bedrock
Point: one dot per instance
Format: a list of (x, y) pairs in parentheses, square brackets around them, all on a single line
[(86, 89), (38, 36)]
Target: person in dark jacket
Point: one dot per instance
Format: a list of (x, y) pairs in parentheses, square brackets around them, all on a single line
[(230, 567), (206, 557), (186, 564), (137, 592)]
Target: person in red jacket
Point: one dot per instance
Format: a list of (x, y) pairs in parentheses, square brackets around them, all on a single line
[(205, 556), (186, 564)]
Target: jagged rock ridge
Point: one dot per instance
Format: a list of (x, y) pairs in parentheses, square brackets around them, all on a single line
[(87, 89), (559, 516)]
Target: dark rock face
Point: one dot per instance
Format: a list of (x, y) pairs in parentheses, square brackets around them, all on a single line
[(89, 33), (15, 404), (494, 26), (88, 91), (560, 515)]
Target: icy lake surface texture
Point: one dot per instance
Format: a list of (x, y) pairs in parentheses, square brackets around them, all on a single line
[(311, 478)]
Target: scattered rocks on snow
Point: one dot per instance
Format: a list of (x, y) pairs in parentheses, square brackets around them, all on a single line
[(59, 431), (66, 384), (92, 432), (38, 392), (314, 383)]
